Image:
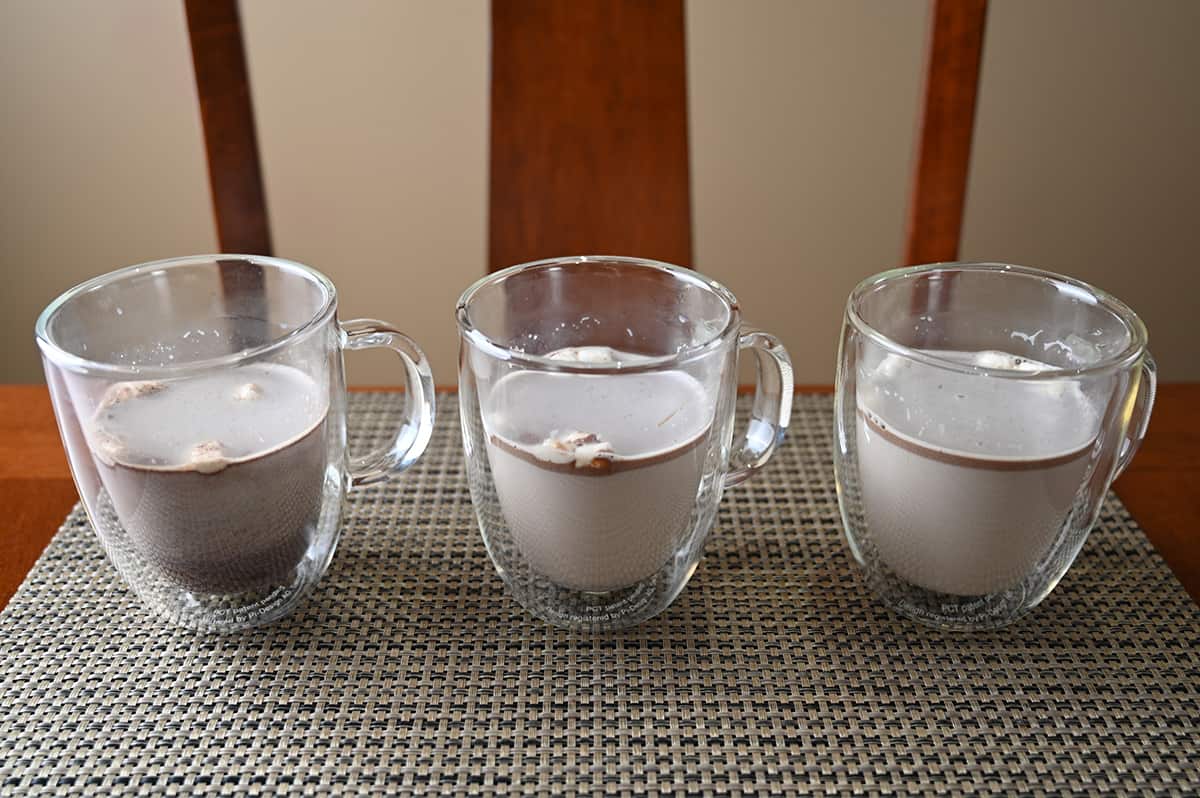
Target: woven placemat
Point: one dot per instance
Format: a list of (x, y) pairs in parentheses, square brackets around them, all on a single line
[(411, 669)]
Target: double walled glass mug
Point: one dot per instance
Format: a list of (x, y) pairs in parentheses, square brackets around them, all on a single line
[(982, 412), (202, 405), (597, 400)]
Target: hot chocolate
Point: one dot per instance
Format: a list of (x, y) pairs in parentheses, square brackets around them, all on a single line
[(967, 482), (217, 479), (597, 474)]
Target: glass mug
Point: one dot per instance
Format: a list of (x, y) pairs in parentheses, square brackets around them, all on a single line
[(982, 412), (597, 398), (202, 405)]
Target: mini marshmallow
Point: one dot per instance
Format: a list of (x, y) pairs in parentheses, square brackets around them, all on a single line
[(124, 391), (108, 448), (994, 359), (585, 449), (889, 367), (208, 457), (248, 392), (597, 356), (585, 354)]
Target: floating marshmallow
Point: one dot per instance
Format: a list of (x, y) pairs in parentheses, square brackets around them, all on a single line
[(586, 449), (248, 392), (110, 449), (124, 391), (207, 457), (596, 355)]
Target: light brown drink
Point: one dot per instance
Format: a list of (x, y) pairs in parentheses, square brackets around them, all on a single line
[(968, 482), (597, 474)]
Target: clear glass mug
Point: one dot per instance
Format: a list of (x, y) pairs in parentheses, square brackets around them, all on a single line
[(597, 402), (202, 405), (982, 412)]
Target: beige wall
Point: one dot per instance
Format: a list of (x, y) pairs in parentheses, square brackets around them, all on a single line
[(1087, 155), (372, 122), (101, 154), (802, 127), (373, 129)]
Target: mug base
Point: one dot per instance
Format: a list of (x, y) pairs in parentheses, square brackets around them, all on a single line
[(596, 612), (225, 611), (952, 612)]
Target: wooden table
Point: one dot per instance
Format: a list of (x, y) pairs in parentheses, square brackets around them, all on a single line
[(1161, 487)]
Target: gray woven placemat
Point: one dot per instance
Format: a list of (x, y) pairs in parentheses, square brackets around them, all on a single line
[(410, 669)]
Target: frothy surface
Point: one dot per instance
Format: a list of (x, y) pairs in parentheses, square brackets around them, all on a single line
[(208, 422), (618, 416), (976, 416)]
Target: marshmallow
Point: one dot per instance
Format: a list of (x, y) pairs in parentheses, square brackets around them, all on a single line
[(596, 356), (248, 392), (124, 391), (109, 448), (585, 449), (207, 457)]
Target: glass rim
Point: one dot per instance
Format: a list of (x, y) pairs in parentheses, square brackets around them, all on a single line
[(481, 340), (1136, 348), (67, 359)]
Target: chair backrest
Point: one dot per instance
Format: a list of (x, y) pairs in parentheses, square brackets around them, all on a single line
[(939, 187), (223, 86), (589, 131)]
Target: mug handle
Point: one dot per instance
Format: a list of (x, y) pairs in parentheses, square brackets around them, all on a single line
[(1139, 414), (772, 407), (414, 434)]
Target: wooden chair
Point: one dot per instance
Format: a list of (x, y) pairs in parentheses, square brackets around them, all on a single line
[(555, 128)]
